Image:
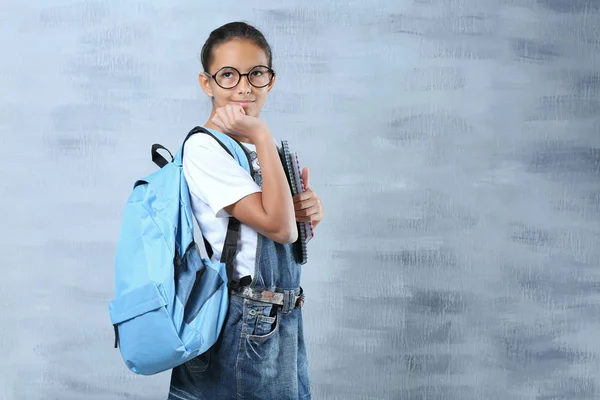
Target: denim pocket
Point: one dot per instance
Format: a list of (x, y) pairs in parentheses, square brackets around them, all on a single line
[(262, 335), (263, 324)]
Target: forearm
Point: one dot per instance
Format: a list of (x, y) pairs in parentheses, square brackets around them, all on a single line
[(276, 196)]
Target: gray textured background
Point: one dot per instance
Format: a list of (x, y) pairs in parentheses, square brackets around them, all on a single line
[(455, 144)]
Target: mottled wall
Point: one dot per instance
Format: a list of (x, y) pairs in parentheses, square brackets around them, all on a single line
[(455, 144)]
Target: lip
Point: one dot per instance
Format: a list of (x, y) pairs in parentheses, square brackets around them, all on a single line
[(243, 102)]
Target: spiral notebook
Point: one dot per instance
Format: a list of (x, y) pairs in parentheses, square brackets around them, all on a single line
[(293, 171)]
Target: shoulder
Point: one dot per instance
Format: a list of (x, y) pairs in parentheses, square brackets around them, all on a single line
[(205, 154), (202, 146), (203, 141)]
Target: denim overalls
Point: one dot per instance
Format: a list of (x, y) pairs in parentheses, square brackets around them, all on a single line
[(260, 353)]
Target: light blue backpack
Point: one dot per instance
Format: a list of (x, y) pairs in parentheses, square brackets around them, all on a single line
[(170, 302)]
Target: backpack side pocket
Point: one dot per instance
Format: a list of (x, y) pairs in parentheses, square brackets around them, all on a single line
[(147, 338)]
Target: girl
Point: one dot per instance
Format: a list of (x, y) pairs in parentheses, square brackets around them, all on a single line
[(260, 353)]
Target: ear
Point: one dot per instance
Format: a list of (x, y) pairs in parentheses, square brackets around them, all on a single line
[(272, 83), (205, 84)]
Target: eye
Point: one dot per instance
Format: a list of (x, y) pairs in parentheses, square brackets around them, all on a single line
[(256, 73)]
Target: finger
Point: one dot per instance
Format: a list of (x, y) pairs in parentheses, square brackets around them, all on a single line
[(303, 205), (309, 218), (307, 211), (231, 113), (305, 178), (237, 109), (235, 112), (298, 198), (304, 196)]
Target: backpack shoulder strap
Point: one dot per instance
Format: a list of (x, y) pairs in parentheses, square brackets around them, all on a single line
[(231, 145), (233, 228)]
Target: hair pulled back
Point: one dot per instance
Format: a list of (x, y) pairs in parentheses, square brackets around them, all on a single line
[(231, 31)]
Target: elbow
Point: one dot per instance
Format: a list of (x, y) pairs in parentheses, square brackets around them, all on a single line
[(287, 236), (293, 235)]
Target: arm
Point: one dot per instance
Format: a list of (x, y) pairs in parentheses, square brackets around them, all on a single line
[(271, 212)]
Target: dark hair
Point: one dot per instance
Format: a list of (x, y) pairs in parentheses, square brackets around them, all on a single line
[(230, 31)]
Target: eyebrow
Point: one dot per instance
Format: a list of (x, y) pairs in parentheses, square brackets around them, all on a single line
[(239, 69)]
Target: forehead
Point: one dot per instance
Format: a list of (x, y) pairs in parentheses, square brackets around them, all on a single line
[(239, 53)]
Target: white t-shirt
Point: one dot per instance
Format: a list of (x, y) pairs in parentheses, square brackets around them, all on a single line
[(216, 180)]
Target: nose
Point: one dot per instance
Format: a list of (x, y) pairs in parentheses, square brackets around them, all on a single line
[(244, 85)]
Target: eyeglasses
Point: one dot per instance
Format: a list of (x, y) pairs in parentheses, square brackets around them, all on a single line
[(228, 77)]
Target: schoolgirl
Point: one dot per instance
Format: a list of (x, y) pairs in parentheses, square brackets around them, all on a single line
[(261, 353)]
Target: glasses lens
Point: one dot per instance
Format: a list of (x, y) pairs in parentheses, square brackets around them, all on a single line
[(227, 77), (260, 76)]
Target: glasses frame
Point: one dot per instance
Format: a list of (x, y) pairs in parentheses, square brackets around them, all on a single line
[(240, 75)]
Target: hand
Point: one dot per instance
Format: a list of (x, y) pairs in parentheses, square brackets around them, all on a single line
[(308, 206), (232, 119)]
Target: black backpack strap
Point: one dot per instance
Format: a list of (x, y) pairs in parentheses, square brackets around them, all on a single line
[(230, 247), (248, 156), (157, 158), (161, 161), (207, 247), (199, 129)]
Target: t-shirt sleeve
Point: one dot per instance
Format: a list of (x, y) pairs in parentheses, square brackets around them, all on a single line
[(214, 176)]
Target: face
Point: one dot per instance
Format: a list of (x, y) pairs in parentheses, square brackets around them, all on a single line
[(242, 55)]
